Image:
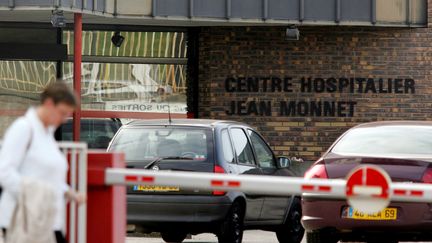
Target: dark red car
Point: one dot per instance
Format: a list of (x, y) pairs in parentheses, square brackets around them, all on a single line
[(404, 150)]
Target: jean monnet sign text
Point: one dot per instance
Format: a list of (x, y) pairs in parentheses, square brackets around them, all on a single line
[(290, 91)]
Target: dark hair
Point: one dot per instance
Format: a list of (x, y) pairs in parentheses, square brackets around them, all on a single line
[(59, 92)]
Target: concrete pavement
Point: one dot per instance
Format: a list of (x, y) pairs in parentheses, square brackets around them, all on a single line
[(255, 236)]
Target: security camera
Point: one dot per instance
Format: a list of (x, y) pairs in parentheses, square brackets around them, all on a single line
[(292, 33), (117, 39), (58, 20)]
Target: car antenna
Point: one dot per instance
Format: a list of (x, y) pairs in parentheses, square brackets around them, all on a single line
[(169, 113)]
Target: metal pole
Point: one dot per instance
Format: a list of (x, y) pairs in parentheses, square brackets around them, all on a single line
[(228, 9), (82, 187), (191, 8), (373, 12), (154, 8), (265, 9), (77, 73), (73, 184), (408, 12), (302, 10), (338, 11)]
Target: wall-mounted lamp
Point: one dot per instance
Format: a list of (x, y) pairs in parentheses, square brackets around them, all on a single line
[(117, 39), (292, 33)]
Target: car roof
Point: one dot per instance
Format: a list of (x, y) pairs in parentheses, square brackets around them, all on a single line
[(185, 122), (394, 123)]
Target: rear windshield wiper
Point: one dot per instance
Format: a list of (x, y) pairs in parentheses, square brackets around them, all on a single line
[(157, 160)]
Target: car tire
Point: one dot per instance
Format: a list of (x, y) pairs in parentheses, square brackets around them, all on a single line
[(231, 230), (292, 231), (173, 237), (320, 237)]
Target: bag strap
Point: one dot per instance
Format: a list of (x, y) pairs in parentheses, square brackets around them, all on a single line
[(30, 141)]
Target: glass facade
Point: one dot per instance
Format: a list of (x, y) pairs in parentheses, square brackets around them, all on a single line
[(131, 87), (135, 44), (144, 75), (21, 82), (139, 85)]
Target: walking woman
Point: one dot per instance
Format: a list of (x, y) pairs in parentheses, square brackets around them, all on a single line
[(29, 151)]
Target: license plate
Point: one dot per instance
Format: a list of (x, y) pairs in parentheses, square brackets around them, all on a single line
[(139, 188), (386, 214)]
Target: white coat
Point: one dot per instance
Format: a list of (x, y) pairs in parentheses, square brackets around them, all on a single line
[(40, 159), (34, 215)]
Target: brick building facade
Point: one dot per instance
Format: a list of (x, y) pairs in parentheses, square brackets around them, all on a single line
[(303, 94), (300, 94)]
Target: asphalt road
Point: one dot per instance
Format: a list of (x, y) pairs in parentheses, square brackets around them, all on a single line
[(254, 236)]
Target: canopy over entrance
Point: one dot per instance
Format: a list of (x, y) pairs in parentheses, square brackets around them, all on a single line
[(223, 12)]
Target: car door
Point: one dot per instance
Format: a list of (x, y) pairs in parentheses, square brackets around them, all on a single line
[(274, 208), (245, 164)]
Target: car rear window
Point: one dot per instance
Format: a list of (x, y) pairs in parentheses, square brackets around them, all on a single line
[(148, 143), (96, 133), (386, 140)]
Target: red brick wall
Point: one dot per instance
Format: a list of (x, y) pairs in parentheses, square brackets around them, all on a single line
[(321, 52)]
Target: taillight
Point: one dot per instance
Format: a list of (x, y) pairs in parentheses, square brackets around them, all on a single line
[(219, 170), (317, 171), (427, 176)]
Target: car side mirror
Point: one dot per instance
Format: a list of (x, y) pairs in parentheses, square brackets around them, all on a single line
[(284, 162)]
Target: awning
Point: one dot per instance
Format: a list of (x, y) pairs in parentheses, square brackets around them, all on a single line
[(224, 12)]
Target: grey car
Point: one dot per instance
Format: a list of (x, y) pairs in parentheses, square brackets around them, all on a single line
[(205, 146)]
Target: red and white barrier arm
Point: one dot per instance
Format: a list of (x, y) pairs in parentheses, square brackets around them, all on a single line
[(264, 185), (270, 185)]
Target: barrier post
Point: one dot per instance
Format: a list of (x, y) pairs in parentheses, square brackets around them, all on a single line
[(106, 206)]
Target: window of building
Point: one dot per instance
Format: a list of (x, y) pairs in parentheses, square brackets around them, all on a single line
[(21, 83), (143, 78), (147, 73)]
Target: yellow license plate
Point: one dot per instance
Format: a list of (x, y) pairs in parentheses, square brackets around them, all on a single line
[(386, 214), (140, 188)]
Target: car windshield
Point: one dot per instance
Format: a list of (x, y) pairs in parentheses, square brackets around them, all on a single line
[(386, 140), (142, 144)]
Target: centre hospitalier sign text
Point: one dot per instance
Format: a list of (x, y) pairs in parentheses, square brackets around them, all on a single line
[(286, 87)]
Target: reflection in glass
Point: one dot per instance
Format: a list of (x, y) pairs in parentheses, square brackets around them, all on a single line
[(262, 151), (20, 85), (226, 147), (136, 44), (96, 132), (387, 140), (242, 147), (131, 87), (146, 144)]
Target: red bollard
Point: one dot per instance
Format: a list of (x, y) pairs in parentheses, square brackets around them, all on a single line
[(106, 206)]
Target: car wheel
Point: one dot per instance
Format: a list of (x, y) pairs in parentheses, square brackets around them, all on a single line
[(320, 237), (232, 228), (292, 231), (173, 237)]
